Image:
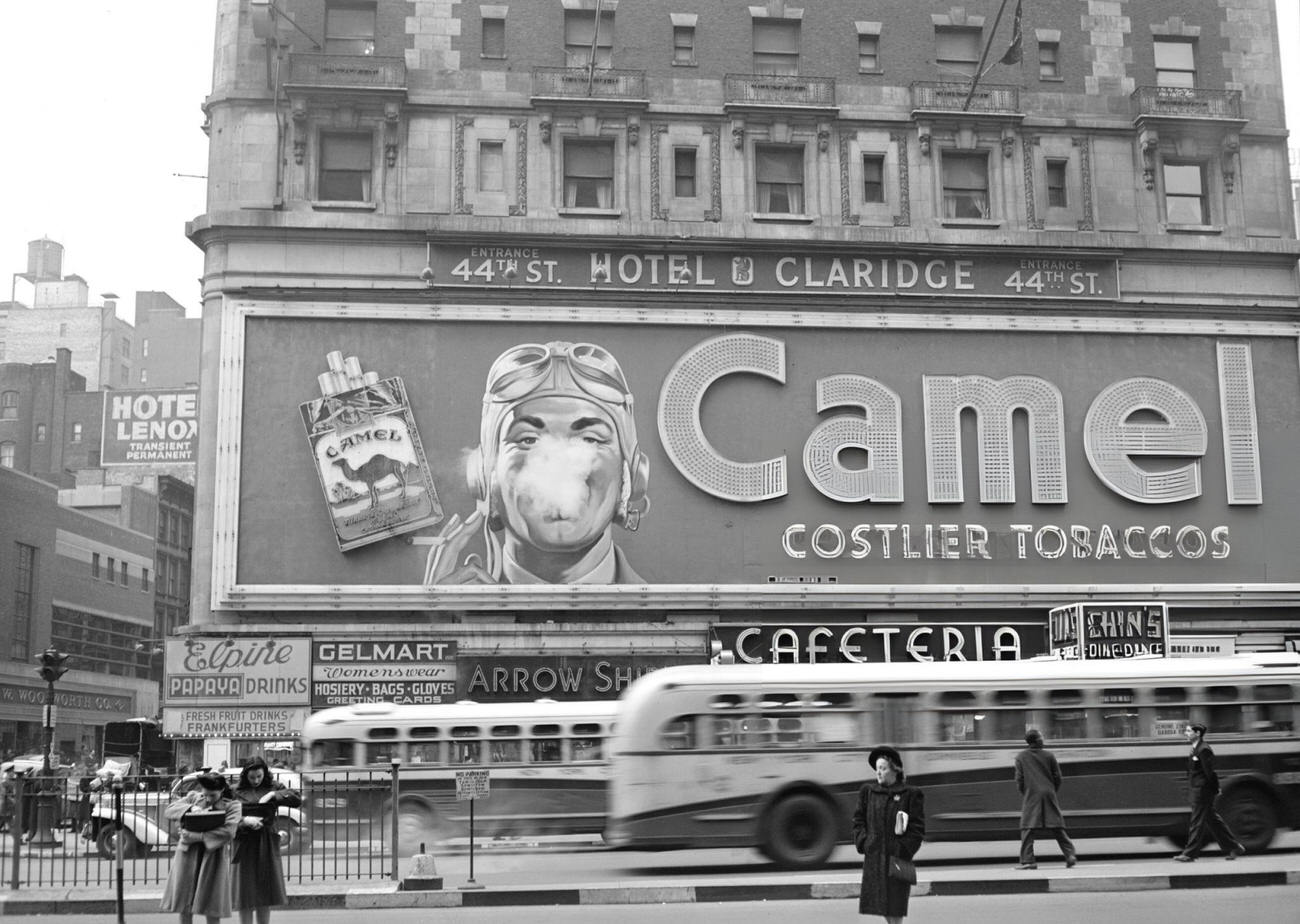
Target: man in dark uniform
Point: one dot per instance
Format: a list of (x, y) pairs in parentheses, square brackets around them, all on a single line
[(1203, 790), (1038, 777)]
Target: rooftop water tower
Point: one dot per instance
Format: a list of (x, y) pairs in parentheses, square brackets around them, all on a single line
[(44, 260)]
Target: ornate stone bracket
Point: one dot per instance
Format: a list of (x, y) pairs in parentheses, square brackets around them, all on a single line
[(1008, 145), (520, 205), (738, 135), (904, 217), (1088, 221), (1031, 210), (846, 213), (823, 138), (392, 122), (458, 175), (544, 129), (715, 174), (298, 111), (1150, 142), (633, 134), (923, 138), (1228, 157)]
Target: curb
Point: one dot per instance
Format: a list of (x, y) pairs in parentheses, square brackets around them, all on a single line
[(389, 896)]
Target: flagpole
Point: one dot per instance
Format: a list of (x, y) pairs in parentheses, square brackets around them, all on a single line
[(975, 78)]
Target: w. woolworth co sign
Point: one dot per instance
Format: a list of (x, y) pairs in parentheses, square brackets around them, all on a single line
[(771, 453)]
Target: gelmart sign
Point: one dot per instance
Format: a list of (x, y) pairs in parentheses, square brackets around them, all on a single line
[(774, 455), (1027, 275), (412, 670), (144, 427)]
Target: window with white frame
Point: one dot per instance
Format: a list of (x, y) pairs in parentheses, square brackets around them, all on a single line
[(683, 44), (956, 51), (9, 405), (76, 432), (7, 451), (349, 28), (40, 432), (873, 178), (1175, 61), (584, 43), (1057, 197), (965, 184), (494, 37), (776, 46), (1049, 60), (778, 173), (685, 164), (1185, 200), (868, 53), (588, 173), (491, 166), (346, 171)]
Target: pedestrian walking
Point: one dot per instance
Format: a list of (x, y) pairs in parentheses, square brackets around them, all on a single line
[(1203, 791), (1038, 777), (199, 881), (888, 828), (257, 877)]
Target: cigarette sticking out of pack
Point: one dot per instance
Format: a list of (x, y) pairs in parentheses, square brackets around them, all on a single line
[(343, 375)]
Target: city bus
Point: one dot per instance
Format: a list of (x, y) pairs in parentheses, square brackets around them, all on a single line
[(772, 756), (547, 768)]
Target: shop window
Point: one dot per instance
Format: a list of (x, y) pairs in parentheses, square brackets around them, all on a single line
[(778, 170), (1185, 201), (868, 53), (1056, 193), (588, 174), (350, 28), (1175, 61), (9, 405), (684, 45), (957, 51), (491, 166), (346, 171), (494, 37), (965, 185), (1049, 60), (776, 46), (584, 44), (684, 169), (873, 178)]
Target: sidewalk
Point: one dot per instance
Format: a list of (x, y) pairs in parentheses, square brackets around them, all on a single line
[(1210, 872)]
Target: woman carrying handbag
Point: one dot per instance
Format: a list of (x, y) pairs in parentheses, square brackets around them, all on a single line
[(888, 827)]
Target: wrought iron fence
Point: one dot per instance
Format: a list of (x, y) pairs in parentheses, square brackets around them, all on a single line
[(71, 840), (952, 96), (600, 83), (1192, 102), (778, 90)]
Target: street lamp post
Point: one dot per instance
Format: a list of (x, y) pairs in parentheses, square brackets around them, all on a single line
[(52, 668)]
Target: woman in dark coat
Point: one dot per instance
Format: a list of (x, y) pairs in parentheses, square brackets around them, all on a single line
[(889, 822), (199, 881), (258, 877)]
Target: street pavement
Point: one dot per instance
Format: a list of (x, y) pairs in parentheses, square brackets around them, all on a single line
[(1105, 875)]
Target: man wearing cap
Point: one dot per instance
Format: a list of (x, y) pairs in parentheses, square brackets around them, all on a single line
[(1038, 777), (1203, 790), (557, 466)]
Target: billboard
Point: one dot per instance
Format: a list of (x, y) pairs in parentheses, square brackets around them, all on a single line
[(244, 671), (348, 670), (740, 455), (149, 427), (1105, 631)]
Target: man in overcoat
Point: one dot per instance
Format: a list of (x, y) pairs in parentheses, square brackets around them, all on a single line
[(1038, 777)]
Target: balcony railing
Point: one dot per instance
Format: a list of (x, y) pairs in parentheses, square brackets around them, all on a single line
[(1186, 102), (950, 96), (580, 83), (778, 90), (370, 72)]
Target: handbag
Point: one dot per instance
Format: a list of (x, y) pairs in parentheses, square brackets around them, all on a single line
[(903, 870)]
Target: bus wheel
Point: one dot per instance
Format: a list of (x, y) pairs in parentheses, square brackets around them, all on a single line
[(415, 826), (801, 832), (1251, 815), (107, 844)]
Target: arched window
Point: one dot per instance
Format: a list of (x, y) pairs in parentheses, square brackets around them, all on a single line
[(8, 405), (7, 454)]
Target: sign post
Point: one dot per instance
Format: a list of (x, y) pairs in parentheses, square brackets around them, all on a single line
[(471, 785)]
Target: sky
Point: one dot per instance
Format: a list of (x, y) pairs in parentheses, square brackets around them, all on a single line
[(102, 149)]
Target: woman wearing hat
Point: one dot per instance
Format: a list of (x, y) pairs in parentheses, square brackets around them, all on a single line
[(199, 881), (889, 822)]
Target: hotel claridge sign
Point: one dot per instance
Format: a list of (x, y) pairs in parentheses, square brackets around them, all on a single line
[(547, 343)]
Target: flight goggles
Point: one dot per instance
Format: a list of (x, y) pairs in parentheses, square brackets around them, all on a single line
[(533, 367)]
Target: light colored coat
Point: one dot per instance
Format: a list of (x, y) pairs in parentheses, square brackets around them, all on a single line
[(199, 881)]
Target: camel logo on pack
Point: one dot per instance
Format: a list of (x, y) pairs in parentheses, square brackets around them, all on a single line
[(368, 455)]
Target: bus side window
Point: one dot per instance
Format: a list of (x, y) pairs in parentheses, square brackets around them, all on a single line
[(330, 752), (678, 734), (505, 752), (726, 732), (464, 751), (588, 742), (958, 718), (830, 728), (383, 746), (1171, 712), (1274, 708), (897, 716), (545, 746), (1065, 722), (1119, 713), (1224, 712), (1009, 722)]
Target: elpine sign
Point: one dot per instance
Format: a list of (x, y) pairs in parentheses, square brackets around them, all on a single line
[(760, 455), (1028, 275), (862, 643), (1106, 631), (143, 427), (350, 670), (237, 671)]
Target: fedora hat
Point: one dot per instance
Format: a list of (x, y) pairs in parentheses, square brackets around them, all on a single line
[(883, 751)]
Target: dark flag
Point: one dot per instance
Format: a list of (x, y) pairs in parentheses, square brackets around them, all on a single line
[(1015, 51)]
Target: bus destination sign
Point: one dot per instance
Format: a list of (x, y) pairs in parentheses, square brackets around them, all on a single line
[(1105, 631)]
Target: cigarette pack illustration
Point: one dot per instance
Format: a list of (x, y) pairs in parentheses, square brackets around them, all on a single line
[(368, 455)]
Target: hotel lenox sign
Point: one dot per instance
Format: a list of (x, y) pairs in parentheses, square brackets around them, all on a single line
[(827, 457)]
